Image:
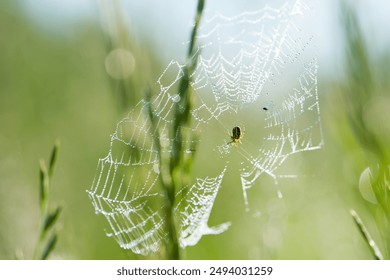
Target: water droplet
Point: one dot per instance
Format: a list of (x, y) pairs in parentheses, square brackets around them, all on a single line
[(156, 168), (175, 98)]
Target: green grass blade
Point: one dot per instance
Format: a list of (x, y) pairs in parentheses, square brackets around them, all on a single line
[(44, 183), (367, 237), (51, 218), (49, 246), (53, 158)]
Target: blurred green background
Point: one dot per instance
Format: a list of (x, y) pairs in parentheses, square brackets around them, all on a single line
[(56, 82)]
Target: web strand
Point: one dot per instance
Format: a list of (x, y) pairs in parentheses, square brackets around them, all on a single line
[(255, 71)]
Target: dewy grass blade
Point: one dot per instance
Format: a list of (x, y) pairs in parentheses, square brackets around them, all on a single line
[(366, 235)]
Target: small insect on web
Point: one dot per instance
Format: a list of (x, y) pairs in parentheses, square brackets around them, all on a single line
[(255, 68), (237, 135), (261, 70)]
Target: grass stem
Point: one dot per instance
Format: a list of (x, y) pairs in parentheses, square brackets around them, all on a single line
[(366, 235), (175, 170)]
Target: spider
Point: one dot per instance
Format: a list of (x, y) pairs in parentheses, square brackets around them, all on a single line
[(237, 135)]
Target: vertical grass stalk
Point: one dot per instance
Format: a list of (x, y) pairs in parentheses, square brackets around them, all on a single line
[(366, 235), (48, 237), (175, 170)]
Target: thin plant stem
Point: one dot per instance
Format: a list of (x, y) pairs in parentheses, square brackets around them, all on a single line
[(175, 170), (366, 235), (47, 238)]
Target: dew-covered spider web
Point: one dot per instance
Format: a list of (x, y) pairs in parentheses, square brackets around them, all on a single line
[(256, 71)]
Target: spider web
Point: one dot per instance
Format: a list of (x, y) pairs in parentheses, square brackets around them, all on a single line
[(255, 70)]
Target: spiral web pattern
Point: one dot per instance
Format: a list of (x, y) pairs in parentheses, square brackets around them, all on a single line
[(255, 68)]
